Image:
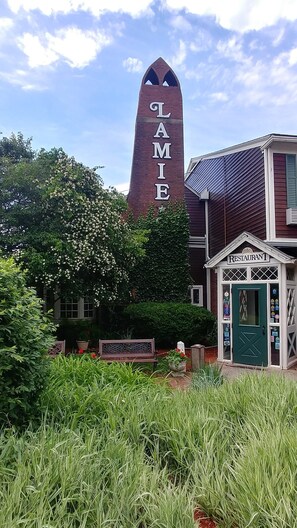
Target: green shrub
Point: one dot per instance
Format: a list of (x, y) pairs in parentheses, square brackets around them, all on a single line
[(169, 323), (25, 337)]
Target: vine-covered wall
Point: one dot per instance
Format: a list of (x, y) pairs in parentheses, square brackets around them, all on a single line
[(163, 274)]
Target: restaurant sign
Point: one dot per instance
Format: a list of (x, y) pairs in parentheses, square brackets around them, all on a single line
[(239, 258)]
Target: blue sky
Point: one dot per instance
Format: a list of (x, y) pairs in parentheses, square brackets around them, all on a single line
[(71, 71)]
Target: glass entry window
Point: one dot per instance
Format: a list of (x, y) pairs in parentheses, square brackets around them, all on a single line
[(250, 324), (248, 307)]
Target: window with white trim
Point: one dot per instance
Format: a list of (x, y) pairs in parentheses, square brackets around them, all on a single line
[(88, 308), (197, 295), (291, 176), (69, 308), (74, 308)]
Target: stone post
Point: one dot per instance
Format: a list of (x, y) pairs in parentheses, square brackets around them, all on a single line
[(197, 356)]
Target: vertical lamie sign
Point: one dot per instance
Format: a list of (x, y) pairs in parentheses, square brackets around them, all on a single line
[(161, 151)]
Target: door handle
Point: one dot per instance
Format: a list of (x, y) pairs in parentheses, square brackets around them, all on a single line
[(263, 330)]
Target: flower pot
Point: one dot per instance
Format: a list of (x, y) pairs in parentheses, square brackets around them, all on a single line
[(82, 345), (177, 369)]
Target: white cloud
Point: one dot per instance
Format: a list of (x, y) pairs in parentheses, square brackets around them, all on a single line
[(292, 57), (231, 49), (133, 65), (219, 96), (122, 187), (279, 37), (240, 15), (203, 41), (5, 26), (76, 47), (268, 83), (95, 7), (5, 23), (179, 58), (38, 54), (180, 23), (23, 79)]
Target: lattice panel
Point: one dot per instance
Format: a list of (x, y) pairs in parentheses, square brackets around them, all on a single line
[(291, 306), (57, 348), (290, 274), (235, 274), (269, 273), (292, 345), (124, 348)]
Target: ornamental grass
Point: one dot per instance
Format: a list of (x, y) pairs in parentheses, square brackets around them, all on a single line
[(116, 449)]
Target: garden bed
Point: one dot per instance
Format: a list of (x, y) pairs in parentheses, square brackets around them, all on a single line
[(169, 457)]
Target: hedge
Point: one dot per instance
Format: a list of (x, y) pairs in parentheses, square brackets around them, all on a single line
[(169, 323)]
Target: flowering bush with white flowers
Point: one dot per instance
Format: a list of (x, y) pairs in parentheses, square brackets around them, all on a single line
[(66, 228)]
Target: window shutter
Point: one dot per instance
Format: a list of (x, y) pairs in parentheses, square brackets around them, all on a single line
[(291, 180)]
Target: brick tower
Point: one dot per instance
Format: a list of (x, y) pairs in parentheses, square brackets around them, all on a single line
[(157, 176)]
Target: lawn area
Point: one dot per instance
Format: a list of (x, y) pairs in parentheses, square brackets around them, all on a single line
[(116, 449)]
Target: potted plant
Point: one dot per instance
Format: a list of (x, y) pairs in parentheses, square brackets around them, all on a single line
[(82, 332), (177, 361), (83, 340)]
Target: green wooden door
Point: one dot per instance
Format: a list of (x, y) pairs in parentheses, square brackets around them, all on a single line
[(249, 324)]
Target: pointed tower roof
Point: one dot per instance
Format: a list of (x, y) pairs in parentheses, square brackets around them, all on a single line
[(160, 74)]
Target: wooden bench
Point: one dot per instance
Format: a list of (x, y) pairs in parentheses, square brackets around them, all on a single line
[(128, 350)]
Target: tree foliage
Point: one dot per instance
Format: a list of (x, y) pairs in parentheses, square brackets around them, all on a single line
[(163, 273), (25, 337), (61, 224), (16, 148)]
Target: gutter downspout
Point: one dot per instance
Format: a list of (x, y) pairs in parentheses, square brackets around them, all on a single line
[(205, 197), (208, 288)]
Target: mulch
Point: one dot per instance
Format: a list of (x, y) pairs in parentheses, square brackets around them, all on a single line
[(204, 522)]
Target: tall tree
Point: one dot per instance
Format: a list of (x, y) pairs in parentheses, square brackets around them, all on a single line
[(60, 223)]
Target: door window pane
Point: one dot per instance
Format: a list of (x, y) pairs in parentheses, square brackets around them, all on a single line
[(248, 307)]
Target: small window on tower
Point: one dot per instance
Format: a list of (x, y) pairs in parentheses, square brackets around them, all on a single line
[(169, 79), (151, 78)]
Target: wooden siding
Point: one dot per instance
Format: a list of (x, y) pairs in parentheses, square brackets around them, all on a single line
[(282, 230), (196, 212), (237, 195)]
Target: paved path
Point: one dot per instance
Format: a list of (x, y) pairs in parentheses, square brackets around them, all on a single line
[(232, 372)]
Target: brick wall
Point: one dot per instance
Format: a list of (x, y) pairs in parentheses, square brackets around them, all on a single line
[(146, 184)]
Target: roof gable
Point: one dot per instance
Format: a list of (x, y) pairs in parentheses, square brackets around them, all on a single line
[(254, 241)]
